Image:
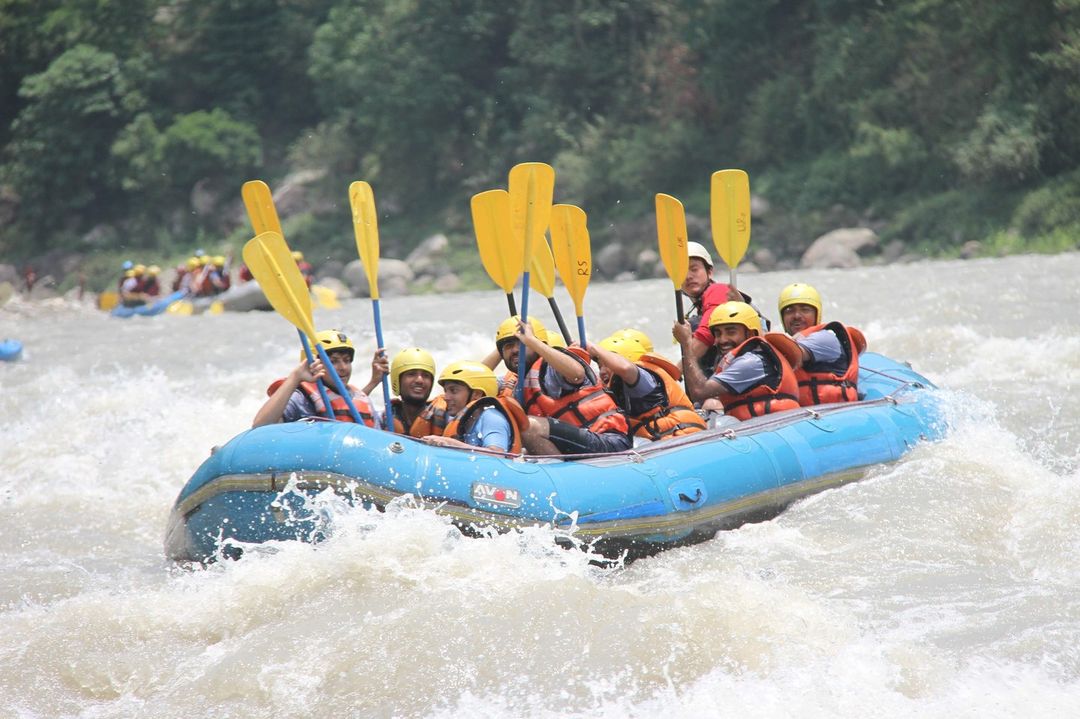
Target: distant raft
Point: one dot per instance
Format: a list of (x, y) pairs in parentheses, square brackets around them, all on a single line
[(659, 495), (10, 350), (150, 308)]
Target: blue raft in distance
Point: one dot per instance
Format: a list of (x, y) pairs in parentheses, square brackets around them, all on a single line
[(659, 495), (10, 350), (150, 308)]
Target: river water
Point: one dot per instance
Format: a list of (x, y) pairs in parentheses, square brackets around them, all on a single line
[(944, 585)]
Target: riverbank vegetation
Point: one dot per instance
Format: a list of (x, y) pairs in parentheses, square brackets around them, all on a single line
[(129, 125)]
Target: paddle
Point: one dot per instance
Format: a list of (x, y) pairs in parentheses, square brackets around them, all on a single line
[(573, 256), (366, 227), (731, 216), (542, 271), (671, 237), (106, 300), (500, 254), (271, 263), (259, 203), (532, 185), (326, 297)]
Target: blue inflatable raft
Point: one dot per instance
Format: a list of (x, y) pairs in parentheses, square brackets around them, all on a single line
[(658, 495), (150, 308), (10, 350)]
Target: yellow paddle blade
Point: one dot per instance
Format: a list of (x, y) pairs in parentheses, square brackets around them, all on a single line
[(216, 307), (671, 237), (573, 251), (501, 255), (107, 300), (731, 214), (532, 185), (542, 268), (182, 308), (366, 227), (259, 203), (272, 265), (326, 297)]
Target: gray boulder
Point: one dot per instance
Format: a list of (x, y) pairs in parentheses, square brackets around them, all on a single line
[(839, 248), (329, 269), (339, 287), (611, 260), (648, 264), (394, 278), (447, 283), (429, 257), (292, 195), (764, 258)]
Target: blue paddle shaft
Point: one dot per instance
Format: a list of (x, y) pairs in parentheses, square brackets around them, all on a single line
[(519, 390), (385, 380), (327, 409), (341, 388), (581, 330)]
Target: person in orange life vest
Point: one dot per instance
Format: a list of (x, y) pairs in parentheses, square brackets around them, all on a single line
[(412, 376), (705, 295), (133, 289), (479, 417), (152, 287), (200, 277), (507, 348), (183, 274), (830, 352), (569, 411), (245, 274), (305, 267), (217, 277), (297, 396), (126, 267), (753, 377), (646, 387)]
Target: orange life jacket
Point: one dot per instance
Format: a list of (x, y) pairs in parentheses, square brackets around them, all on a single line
[(761, 399), (509, 407), (337, 402), (589, 406), (674, 415), (825, 387), (431, 421), (508, 384)]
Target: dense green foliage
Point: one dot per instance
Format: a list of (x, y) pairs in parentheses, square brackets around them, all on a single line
[(132, 123)]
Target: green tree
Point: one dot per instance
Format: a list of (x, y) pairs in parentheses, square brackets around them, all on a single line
[(59, 158)]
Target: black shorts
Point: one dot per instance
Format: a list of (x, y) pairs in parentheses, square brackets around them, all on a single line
[(575, 440)]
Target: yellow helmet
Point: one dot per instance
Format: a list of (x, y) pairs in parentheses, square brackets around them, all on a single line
[(138, 269), (331, 341), (129, 273), (554, 339), (153, 270), (696, 249), (799, 293), (637, 335), (475, 375), (507, 329), (204, 259), (409, 359), (297, 255), (193, 263), (626, 347), (735, 313), (219, 261)]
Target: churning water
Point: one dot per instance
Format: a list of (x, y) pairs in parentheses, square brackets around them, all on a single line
[(944, 585)]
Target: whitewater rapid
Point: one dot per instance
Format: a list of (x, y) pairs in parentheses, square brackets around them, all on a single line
[(943, 585)]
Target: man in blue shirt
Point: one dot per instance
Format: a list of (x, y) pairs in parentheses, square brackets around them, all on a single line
[(479, 417)]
